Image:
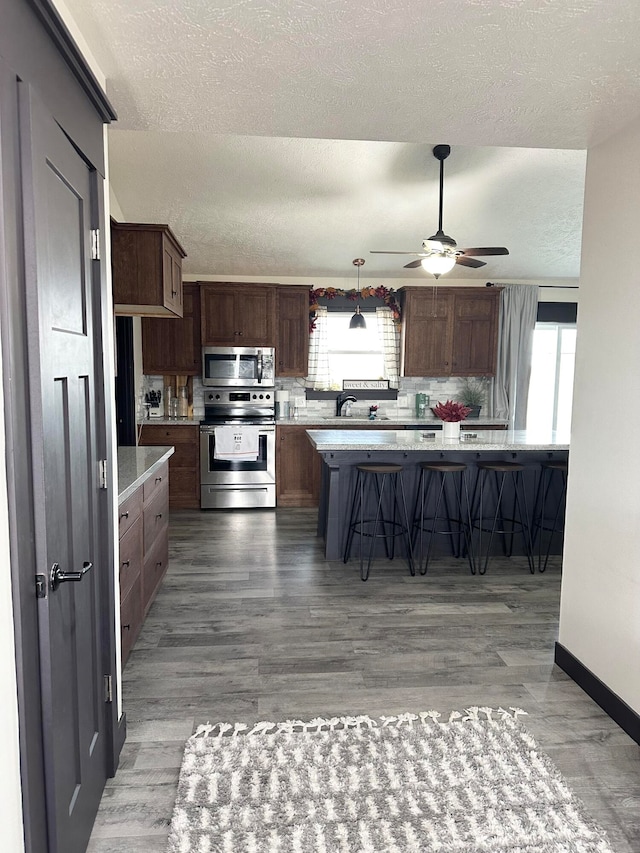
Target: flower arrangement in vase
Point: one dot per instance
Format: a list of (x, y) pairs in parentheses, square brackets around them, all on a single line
[(451, 413)]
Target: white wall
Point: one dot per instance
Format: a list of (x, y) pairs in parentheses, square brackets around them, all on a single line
[(600, 604)]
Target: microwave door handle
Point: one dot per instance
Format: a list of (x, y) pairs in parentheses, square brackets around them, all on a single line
[(260, 367)]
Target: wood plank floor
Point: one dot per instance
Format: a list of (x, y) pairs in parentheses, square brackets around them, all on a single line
[(253, 624)]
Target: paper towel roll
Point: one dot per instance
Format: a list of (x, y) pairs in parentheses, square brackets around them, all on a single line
[(282, 396)]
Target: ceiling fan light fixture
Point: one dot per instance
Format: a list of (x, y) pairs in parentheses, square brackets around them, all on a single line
[(358, 321), (438, 264)]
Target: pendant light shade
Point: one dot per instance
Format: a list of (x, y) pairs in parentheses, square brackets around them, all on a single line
[(357, 321)]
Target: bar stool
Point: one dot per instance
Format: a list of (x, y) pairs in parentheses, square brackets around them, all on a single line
[(454, 522), (385, 480), (497, 523), (549, 475)]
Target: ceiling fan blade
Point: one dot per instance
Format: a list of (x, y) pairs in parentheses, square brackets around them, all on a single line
[(382, 252), (412, 265), (469, 262), (487, 250)]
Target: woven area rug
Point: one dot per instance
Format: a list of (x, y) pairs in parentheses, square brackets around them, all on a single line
[(473, 782)]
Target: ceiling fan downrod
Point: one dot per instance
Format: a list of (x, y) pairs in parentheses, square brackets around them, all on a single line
[(441, 152)]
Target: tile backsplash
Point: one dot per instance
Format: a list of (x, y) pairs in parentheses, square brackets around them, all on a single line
[(403, 406)]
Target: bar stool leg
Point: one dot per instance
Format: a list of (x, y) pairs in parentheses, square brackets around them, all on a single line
[(405, 523), (355, 512), (544, 487), (524, 519)]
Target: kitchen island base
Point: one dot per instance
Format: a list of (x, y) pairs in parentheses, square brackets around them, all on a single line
[(341, 451)]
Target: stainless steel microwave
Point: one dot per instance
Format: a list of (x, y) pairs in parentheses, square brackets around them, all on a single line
[(242, 367)]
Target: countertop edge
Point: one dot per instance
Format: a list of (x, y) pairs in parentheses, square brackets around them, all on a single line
[(136, 464), (334, 441)]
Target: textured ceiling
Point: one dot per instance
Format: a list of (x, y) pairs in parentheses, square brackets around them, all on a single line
[(193, 81)]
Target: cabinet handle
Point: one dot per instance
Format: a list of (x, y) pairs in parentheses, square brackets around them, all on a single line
[(127, 563), (158, 479), (124, 514), (159, 515), (126, 627), (159, 563)]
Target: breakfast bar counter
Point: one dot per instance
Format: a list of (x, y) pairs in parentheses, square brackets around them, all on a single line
[(342, 450)]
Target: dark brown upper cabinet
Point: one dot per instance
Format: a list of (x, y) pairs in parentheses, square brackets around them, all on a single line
[(292, 340), (147, 270), (450, 331), (237, 315), (173, 346)]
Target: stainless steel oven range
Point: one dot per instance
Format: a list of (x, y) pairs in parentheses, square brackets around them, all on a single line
[(227, 483)]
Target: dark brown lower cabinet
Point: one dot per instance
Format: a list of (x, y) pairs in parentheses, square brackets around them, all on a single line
[(298, 467), (298, 464), (144, 553), (184, 465)]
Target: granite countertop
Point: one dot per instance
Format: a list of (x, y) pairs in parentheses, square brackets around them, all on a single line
[(418, 423), (327, 440), (135, 464)]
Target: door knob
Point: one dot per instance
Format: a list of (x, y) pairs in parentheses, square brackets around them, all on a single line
[(57, 576)]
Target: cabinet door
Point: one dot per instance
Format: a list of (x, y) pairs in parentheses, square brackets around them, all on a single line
[(292, 342), (171, 276), (240, 315), (172, 347), (298, 469), (255, 308), (427, 332), (218, 320), (475, 332)]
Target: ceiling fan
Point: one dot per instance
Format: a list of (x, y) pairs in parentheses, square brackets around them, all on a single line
[(441, 252)]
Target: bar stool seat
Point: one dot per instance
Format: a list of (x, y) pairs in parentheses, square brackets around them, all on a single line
[(498, 522), (554, 523), (382, 521), (450, 515)]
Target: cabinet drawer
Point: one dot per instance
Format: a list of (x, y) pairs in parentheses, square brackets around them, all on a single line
[(128, 511), (155, 566), (130, 618), (130, 557), (155, 483), (155, 517), (156, 434)]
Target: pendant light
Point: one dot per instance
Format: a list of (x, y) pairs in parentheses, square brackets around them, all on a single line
[(357, 321)]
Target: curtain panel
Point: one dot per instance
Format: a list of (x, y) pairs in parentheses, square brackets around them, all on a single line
[(518, 312), (318, 377), (390, 339)]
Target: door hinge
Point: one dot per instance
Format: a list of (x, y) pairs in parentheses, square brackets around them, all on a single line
[(95, 244), (108, 689), (102, 473), (41, 586)]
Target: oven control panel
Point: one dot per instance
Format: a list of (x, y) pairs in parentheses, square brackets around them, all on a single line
[(238, 396), (239, 405)]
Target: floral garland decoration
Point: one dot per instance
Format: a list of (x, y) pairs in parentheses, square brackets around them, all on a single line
[(380, 292)]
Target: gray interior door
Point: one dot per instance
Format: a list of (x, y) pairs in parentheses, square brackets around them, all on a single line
[(63, 371)]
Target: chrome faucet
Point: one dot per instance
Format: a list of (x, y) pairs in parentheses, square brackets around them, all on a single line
[(341, 400)]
